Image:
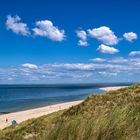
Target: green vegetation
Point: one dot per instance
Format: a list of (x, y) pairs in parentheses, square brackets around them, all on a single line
[(111, 116)]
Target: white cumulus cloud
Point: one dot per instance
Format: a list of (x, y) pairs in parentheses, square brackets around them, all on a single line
[(134, 53), (30, 66), (82, 43), (45, 28), (83, 38), (72, 71), (82, 34), (130, 36), (98, 60), (106, 49), (14, 23), (118, 60), (104, 34)]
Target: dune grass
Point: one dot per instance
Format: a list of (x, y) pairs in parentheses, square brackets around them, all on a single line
[(111, 116)]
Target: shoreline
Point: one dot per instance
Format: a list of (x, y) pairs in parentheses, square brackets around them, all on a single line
[(21, 116), (34, 113)]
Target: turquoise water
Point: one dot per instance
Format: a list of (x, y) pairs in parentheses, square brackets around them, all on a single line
[(21, 97)]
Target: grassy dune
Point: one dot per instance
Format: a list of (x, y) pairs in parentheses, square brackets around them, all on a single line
[(111, 116)]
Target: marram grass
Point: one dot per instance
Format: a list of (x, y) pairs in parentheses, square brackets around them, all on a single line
[(111, 116)]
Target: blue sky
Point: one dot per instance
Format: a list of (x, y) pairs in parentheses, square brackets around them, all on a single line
[(59, 41)]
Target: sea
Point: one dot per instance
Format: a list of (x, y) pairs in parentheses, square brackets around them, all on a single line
[(15, 98)]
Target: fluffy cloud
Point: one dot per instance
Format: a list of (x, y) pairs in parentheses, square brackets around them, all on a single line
[(106, 74), (30, 66), (118, 60), (104, 34), (106, 49), (130, 36), (82, 34), (82, 43), (134, 53), (45, 28), (14, 23), (10, 78), (57, 72), (83, 38), (98, 60)]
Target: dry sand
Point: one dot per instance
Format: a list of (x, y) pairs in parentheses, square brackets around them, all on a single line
[(33, 113), (112, 88)]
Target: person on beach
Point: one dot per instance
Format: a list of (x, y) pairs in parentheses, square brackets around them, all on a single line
[(6, 120)]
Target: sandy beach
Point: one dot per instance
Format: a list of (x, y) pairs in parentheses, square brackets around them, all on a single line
[(112, 88), (33, 113)]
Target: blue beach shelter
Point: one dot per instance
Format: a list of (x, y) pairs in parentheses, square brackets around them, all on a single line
[(14, 122)]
